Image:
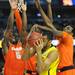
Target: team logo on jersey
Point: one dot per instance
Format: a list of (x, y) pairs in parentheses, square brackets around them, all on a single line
[(17, 52)]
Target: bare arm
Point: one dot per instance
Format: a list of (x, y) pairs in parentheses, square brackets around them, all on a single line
[(13, 5), (29, 53), (9, 27), (10, 22), (45, 18), (4, 46), (54, 31), (35, 26), (7, 31), (24, 24), (41, 27), (24, 17), (49, 10)]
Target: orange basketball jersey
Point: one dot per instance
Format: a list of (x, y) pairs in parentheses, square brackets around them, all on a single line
[(14, 65)]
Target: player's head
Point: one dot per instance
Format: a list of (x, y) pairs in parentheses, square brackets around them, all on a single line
[(68, 28), (16, 37), (35, 36)]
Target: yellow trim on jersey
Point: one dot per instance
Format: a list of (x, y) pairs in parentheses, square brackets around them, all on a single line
[(0, 43), (53, 66)]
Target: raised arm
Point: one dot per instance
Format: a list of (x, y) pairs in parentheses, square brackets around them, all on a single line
[(24, 17), (24, 24), (49, 10), (4, 46), (8, 32), (35, 26), (9, 28), (10, 22), (46, 19), (44, 16)]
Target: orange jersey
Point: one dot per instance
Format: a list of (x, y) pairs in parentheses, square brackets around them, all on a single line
[(31, 63), (65, 50), (14, 65)]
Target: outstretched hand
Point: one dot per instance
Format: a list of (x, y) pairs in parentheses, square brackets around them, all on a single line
[(13, 4), (48, 1), (24, 7)]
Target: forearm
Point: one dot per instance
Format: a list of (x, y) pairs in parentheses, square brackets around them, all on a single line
[(50, 12), (4, 46), (22, 37), (24, 22), (10, 21), (44, 16), (44, 28), (28, 53), (25, 56), (48, 28), (52, 27), (24, 18), (46, 19), (24, 26), (39, 61), (30, 33)]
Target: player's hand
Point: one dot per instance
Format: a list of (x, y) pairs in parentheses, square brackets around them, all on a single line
[(39, 45), (48, 1), (13, 4), (35, 26), (24, 7)]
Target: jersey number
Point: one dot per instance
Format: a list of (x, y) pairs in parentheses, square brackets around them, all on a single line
[(18, 55)]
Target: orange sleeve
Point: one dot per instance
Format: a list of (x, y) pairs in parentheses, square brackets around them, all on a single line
[(18, 21), (62, 37), (65, 34)]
